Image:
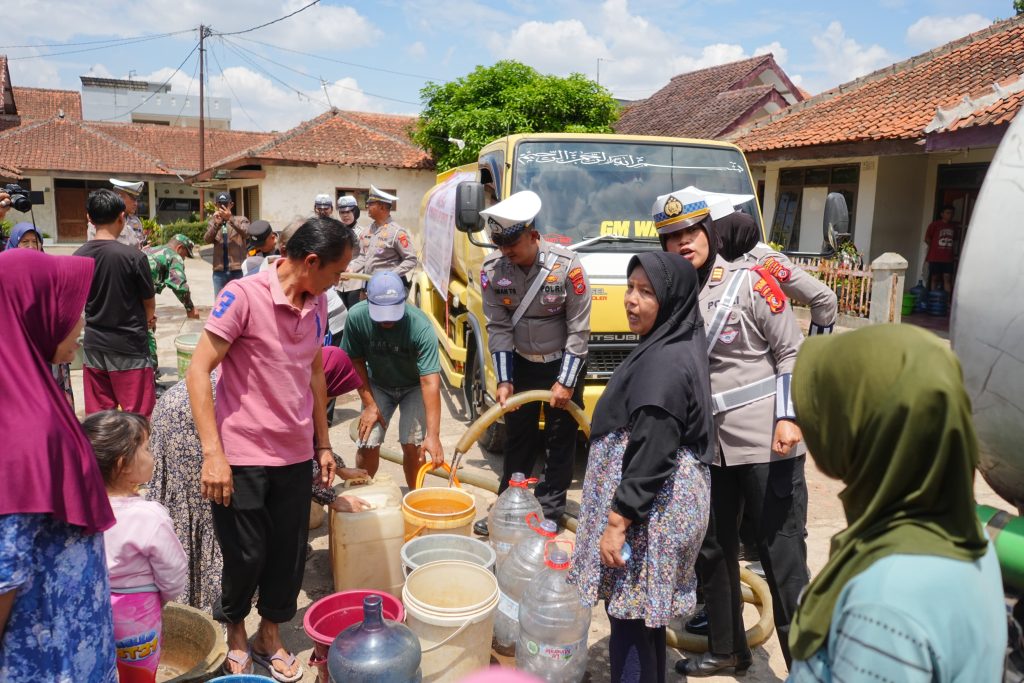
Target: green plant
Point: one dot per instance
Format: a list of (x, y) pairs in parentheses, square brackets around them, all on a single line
[(194, 230), (504, 99), (776, 246)]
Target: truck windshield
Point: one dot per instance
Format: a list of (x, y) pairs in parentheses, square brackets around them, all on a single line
[(593, 188)]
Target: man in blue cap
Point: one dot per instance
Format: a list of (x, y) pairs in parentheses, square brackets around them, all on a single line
[(228, 234), (394, 350)]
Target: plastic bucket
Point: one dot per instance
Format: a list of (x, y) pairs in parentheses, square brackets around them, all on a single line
[(441, 547), (909, 301), (438, 511), (327, 617), (185, 344), (450, 607)]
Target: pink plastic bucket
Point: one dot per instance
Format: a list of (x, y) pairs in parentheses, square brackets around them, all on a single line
[(327, 617)]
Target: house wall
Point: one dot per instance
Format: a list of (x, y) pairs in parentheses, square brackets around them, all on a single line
[(927, 209), (45, 214), (866, 191), (288, 191), (898, 201)]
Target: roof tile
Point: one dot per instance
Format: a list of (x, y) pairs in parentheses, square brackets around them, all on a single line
[(899, 101)]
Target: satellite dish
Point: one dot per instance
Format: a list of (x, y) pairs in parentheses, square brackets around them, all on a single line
[(835, 227)]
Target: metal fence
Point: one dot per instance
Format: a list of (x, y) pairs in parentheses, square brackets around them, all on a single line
[(850, 281)]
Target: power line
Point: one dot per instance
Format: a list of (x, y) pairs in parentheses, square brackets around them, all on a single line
[(232, 90), (234, 48), (133, 41), (255, 28), (188, 91), (97, 42), (160, 88), (316, 78), (340, 61)]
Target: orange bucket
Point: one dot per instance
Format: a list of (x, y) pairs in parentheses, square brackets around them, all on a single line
[(437, 510)]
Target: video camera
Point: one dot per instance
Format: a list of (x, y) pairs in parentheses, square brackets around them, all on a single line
[(19, 197)]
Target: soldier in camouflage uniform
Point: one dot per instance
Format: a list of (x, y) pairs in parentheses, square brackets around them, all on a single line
[(537, 302), (167, 267)]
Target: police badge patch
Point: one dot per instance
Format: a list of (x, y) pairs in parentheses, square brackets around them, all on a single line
[(673, 207), (504, 282), (484, 282), (403, 240)]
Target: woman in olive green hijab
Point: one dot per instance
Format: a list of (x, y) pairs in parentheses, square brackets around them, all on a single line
[(911, 590)]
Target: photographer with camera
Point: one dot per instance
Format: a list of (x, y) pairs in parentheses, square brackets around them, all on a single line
[(13, 196), (228, 234)]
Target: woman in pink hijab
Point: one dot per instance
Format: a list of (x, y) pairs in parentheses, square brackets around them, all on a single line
[(55, 616)]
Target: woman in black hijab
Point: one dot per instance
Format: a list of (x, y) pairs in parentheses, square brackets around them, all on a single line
[(647, 482)]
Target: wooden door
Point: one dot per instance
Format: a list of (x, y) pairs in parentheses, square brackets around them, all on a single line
[(71, 218)]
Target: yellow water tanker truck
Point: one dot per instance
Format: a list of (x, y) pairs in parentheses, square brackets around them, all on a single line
[(597, 192)]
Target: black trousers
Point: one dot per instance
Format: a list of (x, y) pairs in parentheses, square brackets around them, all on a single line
[(524, 439), (776, 495), (636, 653), (263, 535)]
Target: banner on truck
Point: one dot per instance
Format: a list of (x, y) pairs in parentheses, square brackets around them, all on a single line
[(439, 231)]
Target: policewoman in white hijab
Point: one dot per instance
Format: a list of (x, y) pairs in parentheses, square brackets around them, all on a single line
[(753, 339)]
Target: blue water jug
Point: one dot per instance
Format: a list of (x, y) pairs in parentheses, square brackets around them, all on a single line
[(920, 293), (375, 651)]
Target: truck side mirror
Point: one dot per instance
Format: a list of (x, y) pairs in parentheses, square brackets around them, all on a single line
[(835, 227), (469, 202)]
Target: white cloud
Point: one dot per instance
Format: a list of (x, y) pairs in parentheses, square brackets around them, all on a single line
[(637, 56), (780, 53), (417, 50), (929, 32), (35, 73), (271, 105), (840, 58)]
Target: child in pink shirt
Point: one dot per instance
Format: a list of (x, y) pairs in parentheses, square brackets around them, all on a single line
[(146, 562)]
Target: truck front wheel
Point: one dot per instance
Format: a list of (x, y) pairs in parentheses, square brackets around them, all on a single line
[(474, 387)]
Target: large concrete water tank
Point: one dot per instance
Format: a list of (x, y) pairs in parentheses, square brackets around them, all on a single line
[(988, 318)]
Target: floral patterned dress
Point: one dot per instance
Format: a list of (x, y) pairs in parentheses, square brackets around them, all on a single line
[(61, 627), (658, 581), (178, 463)]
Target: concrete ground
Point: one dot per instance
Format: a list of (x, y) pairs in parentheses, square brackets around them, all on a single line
[(825, 516)]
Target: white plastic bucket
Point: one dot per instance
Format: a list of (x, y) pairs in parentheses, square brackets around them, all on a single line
[(450, 607), (440, 547)]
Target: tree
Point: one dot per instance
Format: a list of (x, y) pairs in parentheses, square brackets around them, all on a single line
[(505, 99), (1018, 6)]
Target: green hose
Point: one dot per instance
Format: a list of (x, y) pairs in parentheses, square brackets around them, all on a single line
[(755, 589), (1007, 534)]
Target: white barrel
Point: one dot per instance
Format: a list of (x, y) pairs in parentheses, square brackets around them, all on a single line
[(450, 607)]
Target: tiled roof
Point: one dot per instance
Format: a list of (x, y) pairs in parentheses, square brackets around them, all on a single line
[(898, 102), (177, 147), (344, 138), (72, 146), (86, 146), (44, 103), (7, 171), (996, 106), (705, 103)]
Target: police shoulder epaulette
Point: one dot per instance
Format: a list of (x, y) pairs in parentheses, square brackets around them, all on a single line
[(768, 287), (772, 264)]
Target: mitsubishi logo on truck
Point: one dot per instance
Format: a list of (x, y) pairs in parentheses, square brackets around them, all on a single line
[(613, 338)]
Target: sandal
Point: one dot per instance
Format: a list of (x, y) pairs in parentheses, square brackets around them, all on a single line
[(243, 658), (267, 662)]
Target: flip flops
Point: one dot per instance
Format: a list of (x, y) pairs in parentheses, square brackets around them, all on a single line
[(267, 661), (242, 659)]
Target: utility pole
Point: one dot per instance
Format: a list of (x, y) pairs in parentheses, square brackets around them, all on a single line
[(202, 122)]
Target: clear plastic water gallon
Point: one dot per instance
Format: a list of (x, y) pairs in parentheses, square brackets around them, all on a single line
[(524, 562), (553, 624), (507, 519)]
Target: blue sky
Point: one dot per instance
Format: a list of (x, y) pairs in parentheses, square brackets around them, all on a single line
[(640, 44)]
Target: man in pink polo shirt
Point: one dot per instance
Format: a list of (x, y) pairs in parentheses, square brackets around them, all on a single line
[(265, 332)]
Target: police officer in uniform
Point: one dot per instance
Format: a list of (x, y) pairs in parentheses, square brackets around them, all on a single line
[(323, 206), (753, 339), (348, 214), (133, 234), (537, 303), (741, 239), (385, 245)]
